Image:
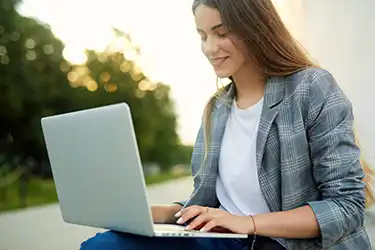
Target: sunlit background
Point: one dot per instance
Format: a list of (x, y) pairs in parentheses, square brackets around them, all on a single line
[(164, 31)]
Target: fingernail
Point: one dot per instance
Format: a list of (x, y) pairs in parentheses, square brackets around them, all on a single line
[(202, 229), (178, 214), (179, 220)]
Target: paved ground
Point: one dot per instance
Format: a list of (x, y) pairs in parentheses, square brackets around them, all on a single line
[(42, 228)]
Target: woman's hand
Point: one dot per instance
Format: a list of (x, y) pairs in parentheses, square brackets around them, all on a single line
[(211, 219)]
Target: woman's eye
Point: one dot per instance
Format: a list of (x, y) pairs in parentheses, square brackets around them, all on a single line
[(222, 34)]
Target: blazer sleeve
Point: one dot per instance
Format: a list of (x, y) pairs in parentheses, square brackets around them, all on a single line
[(195, 164), (335, 159)]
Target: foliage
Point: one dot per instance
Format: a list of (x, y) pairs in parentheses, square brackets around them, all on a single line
[(36, 81)]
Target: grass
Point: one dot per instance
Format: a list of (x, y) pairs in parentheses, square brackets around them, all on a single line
[(157, 178), (38, 192), (42, 191)]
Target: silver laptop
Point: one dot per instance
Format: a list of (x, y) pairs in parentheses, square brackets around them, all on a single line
[(98, 173)]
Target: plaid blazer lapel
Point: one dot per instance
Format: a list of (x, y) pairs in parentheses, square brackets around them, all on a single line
[(273, 95), (270, 187)]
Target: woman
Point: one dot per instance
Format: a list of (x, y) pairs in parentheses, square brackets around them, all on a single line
[(289, 173)]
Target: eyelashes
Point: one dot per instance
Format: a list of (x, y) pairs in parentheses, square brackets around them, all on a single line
[(220, 35)]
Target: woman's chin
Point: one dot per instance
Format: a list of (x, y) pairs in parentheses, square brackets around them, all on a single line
[(223, 73)]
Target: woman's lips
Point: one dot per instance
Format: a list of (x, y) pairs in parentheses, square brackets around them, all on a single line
[(218, 61)]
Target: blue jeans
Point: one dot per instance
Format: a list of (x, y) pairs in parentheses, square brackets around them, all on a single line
[(111, 240)]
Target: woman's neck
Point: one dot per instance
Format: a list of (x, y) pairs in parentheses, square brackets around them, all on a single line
[(250, 87)]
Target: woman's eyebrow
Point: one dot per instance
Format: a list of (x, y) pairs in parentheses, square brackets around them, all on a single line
[(212, 28)]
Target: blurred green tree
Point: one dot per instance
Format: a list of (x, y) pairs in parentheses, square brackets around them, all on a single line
[(108, 77), (36, 81), (31, 84)]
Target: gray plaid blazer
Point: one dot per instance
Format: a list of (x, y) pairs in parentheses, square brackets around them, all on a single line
[(306, 155)]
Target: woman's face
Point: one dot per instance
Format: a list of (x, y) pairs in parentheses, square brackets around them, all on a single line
[(217, 43)]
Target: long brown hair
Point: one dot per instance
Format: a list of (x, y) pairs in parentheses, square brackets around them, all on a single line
[(273, 50)]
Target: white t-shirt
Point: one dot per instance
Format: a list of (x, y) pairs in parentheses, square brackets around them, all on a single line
[(237, 185)]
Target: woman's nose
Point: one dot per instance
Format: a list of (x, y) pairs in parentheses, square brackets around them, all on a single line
[(211, 46)]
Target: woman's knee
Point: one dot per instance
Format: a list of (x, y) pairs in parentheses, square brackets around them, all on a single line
[(107, 240)]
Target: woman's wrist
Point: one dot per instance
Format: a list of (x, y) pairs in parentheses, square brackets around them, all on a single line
[(254, 231), (252, 226)]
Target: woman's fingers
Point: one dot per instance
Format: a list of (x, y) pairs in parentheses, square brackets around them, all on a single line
[(200, 221), (190, 213), (214, 223)]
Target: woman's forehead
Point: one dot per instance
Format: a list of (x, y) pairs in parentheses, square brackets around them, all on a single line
[(207, 18)]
